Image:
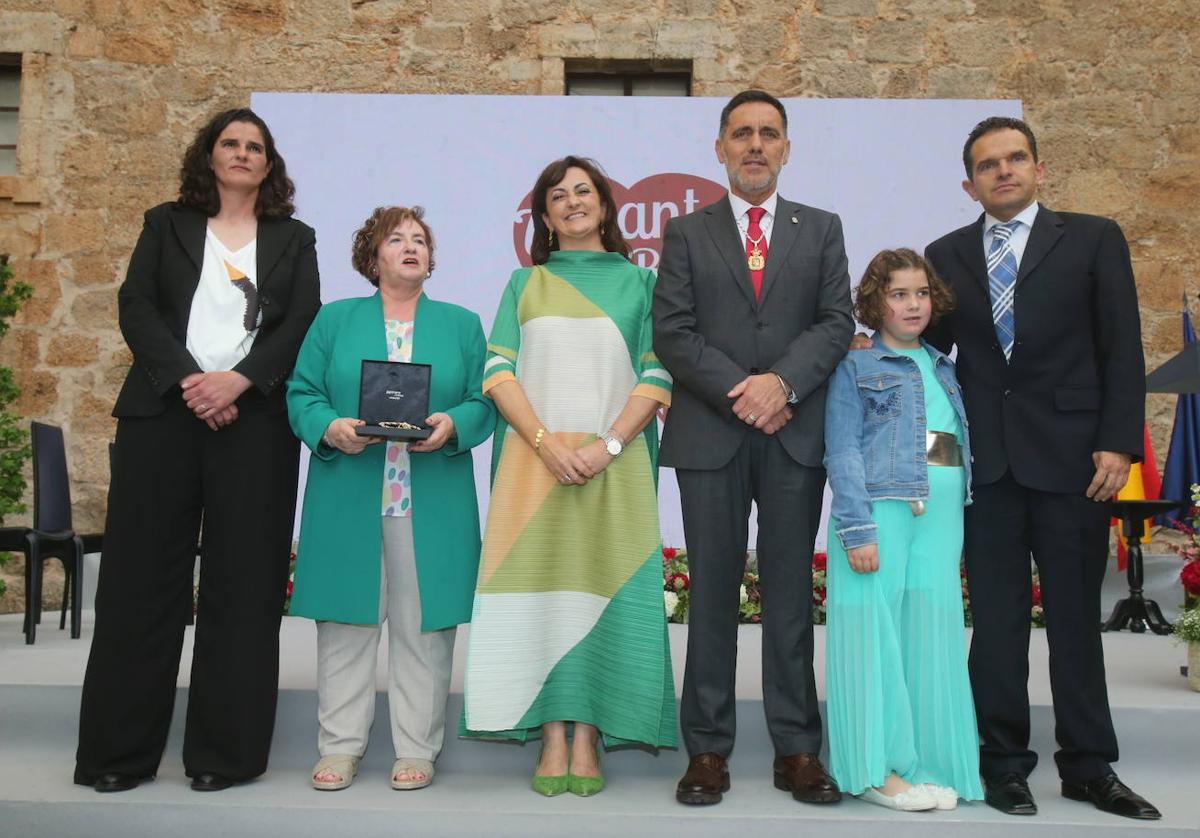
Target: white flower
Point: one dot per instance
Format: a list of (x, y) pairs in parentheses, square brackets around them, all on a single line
[(670, 601), (743, 597)]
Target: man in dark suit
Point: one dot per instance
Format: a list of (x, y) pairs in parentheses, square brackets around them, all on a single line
[(1051, 368), (751, 315)]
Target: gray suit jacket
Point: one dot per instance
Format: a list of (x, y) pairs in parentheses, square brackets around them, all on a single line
[(710, 334)]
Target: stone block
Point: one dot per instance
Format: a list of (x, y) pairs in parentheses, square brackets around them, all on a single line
[(439, 36), (511, 13), (75, 231), (95, 309), (87, 156), (692, 9), (568, 40), (39, 392), (1056, 40), (896, 42), (782, 79), (91, 415), (130, 117), (460, 11), (692, 38), (980, 43), (21, 347), (1160, 286), (1038, 80), (42, 275), (31, 32), (140, 48), (518, 69), (961, 83), (93, 270), (903, 83), (85, 42), (20, 232), (373, 12), (764, 41), (1173, 187), (848, 8), (72, 349), (840, 80), (267, 16), (825, 37)]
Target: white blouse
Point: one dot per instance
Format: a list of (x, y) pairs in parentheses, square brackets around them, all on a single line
[(218, 334)]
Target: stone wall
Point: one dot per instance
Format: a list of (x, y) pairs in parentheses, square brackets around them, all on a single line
[(112, 91)]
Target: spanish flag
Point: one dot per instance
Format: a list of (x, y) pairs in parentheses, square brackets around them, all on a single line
[(1143, 484)]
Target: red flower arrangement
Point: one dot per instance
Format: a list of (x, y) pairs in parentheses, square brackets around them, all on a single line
[(1190, 577)]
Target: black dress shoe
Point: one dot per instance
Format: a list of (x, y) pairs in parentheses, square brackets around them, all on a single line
[(705, 781), (211, 782), (805, 777), (116, 782), (1109, 794), (1010, 794)]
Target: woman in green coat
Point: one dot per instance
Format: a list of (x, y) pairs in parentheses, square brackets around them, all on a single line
[(389, 530)]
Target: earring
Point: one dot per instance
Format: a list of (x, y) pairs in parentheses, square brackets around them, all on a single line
[(601, 229), (374, 270), (550, 240)]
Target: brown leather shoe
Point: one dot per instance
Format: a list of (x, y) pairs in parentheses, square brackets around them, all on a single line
[(805, 777), (706, 778)]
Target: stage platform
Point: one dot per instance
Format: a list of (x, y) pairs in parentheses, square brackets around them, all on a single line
[(482, 789)]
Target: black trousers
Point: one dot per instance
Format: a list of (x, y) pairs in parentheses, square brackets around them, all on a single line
[(1067, 535), (716, 511), (171, 473)]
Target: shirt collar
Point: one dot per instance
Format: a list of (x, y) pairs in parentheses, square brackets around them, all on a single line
[(1025, 216), (741, 206)]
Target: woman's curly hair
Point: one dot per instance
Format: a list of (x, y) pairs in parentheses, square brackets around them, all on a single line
[(378, 227), (870, 299), (198, 184)]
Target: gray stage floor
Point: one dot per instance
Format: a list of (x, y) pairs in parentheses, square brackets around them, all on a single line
[(482, 788)]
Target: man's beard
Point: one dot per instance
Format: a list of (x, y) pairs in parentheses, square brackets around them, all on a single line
[(756, 186)]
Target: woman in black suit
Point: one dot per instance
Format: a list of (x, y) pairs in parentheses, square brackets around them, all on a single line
[(219, 293)]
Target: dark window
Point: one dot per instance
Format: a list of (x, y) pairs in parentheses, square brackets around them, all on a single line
[(613, 77), (10, 100)]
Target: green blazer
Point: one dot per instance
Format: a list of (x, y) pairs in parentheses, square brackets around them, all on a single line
[(338, 560)]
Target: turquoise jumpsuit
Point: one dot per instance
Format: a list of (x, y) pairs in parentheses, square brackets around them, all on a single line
[(898, 694)]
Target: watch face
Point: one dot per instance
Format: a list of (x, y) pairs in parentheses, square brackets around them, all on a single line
[(613, 447)]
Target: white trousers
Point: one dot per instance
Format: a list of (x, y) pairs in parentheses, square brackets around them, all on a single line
[(418, 676)]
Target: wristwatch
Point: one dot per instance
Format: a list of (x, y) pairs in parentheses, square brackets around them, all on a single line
[(611, 443)]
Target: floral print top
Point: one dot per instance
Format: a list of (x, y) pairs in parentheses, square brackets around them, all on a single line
[(397, 476)]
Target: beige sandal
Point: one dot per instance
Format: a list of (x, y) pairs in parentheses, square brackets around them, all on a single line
[(410, 766), (344, 765)]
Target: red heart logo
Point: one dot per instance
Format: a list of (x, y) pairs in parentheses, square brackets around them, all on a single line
[(642, 213)]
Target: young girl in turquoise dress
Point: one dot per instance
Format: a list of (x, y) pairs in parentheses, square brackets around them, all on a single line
[(902, 728)]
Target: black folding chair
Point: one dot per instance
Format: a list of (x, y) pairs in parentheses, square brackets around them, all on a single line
[(53, 535)]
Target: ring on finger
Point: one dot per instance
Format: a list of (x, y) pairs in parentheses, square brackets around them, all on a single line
[(752, 417), (566, 478)]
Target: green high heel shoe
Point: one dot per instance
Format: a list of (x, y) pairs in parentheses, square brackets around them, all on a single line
[(550, 785), (584, 786)]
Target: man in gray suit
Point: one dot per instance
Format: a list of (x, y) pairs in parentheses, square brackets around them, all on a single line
[(751, 315)]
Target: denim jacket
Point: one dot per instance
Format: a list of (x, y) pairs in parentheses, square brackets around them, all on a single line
[(875, 434)]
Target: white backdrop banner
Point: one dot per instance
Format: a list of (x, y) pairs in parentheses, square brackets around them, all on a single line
[(891, 168)]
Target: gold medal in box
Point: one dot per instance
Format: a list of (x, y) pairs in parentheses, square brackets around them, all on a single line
[(393, 399)]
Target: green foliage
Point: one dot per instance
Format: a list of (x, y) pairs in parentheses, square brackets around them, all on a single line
[(14, 438)]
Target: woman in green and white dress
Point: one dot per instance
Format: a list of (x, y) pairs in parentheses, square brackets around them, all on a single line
[(568, 631)]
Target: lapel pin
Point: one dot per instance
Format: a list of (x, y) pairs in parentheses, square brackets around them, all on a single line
[(795, 220)]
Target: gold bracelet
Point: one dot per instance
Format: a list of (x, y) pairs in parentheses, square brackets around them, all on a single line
[(400, 426), (537, 439)]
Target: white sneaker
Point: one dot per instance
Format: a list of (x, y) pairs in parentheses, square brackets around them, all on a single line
[(946, 797), (913, 799)]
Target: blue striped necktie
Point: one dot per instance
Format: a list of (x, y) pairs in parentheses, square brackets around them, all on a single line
[(1002, 283)]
